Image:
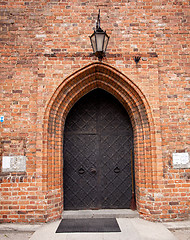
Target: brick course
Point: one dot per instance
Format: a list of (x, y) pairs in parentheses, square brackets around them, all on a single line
[(47, 65)]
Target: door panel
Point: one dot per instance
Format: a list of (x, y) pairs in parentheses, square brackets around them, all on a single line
[(98, 145), (80, 183), (116, 172)]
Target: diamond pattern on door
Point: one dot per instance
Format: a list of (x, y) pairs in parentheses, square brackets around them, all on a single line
[(82, 117), (98, 145), (80, 185), (116, 178)]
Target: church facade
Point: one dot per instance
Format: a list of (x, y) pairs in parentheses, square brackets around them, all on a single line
[(79, 133)]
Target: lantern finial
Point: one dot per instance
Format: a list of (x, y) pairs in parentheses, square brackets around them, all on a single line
[(98, 21)]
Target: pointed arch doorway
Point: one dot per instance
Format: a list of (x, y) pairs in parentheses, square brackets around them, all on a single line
[(97, 153), (146, 152)]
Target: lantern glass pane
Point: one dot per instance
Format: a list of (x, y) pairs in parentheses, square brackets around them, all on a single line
[(100, 41), (93, 42), (105, 43)]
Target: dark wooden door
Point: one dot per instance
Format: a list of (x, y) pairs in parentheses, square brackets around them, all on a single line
[(98, 146)]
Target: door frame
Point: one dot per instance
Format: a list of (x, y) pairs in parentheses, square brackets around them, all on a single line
[(147, 156)]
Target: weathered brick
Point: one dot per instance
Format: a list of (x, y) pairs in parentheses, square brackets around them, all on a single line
[(47, 65)]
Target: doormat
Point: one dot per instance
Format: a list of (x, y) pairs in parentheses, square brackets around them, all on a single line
[(88, 225)]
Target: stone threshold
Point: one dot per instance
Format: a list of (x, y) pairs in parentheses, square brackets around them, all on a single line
[(102, 213)]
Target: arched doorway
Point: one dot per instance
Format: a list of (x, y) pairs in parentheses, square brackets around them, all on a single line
[(97, 153), (146, 153)]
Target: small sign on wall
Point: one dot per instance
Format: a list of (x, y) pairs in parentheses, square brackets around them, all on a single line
[(14, 164), (181, 160), (1, 118)]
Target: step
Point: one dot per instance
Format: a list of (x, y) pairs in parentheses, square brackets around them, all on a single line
[(103, 213)]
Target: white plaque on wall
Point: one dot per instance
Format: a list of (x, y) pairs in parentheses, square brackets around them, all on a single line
[(14, 164), (181, 160)]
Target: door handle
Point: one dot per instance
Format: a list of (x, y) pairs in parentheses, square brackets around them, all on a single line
[(81, 171), (93, 170)]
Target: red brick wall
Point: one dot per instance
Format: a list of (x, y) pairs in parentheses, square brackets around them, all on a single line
[(47, 65)]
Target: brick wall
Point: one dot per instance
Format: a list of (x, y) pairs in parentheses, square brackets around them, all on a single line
[(47, 65)]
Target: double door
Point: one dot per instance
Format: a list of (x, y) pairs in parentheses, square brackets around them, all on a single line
[(98, 147)]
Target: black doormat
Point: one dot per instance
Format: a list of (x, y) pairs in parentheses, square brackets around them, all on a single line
[(88, 225)]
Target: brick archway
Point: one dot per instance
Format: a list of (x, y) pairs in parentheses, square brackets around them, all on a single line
[(97, 75)]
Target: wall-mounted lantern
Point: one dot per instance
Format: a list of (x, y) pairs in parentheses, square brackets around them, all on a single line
[(99, 40)]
